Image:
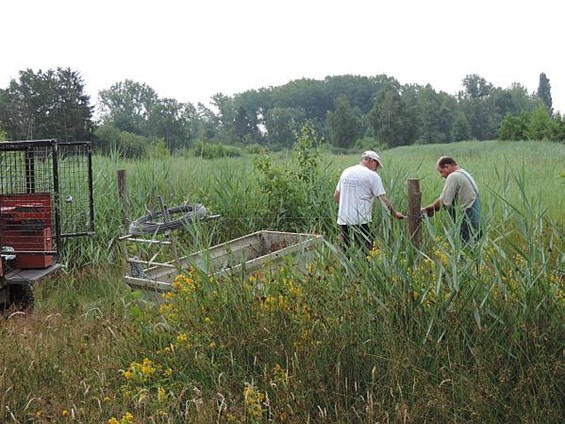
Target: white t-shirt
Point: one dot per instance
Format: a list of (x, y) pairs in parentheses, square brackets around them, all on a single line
[(358, 186)]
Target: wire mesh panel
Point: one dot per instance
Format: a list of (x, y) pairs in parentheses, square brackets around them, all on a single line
[(27, 166), (74, 181), (45, 194), (28, 214)]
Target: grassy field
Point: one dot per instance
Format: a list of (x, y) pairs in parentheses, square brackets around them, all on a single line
[(440, 334)]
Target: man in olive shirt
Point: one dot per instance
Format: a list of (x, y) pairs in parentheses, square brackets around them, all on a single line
[(459, 192)]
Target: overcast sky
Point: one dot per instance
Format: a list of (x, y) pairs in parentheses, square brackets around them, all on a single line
[(190, 50)]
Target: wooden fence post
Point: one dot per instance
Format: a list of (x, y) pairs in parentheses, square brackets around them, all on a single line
[(414, 214), (122, 193)]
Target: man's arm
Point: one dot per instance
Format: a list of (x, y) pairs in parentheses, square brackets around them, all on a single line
[(431, 209), (336, 196), (386, 202)]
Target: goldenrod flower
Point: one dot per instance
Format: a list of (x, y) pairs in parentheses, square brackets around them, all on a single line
[(253, 401), (126, 419), (182, 338)]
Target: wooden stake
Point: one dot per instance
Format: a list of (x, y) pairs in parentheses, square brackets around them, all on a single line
[(414, 214), (122, 193)]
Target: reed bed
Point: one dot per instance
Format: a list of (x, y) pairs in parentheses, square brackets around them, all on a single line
[(443, 333)]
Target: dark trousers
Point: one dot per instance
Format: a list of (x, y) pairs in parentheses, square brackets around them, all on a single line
[(356, 235), (470, 229)]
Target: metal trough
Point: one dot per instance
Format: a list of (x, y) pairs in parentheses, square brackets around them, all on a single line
[(242, 255)]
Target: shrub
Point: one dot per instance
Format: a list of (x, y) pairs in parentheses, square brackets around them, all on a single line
[(539, 127), (514, 127), (214, 150), (296, 194)]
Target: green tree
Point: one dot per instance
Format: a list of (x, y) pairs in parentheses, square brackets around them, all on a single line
[(436, 113), (282, 125), (514, 127), (169, 121), (359, 90), (460, 129), (344, 123), (245, 125), (476, 87), (205, 126), (49, 104), (392, 121), (558, 128), (544, 93), (127, 106), (107, 139), (250, 110), (110, 140), (308, 95), (225, 117), (521, 99), (539, 127), (475, 104), (72, 111)]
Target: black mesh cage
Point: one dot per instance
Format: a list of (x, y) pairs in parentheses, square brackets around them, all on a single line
[(45, 195), (74, 186)]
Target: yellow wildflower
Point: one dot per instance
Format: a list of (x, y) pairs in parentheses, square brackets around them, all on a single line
[(253, 401), (182, 338)]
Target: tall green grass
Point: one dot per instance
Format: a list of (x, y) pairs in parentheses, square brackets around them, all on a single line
[(513, 178), (443, 333)]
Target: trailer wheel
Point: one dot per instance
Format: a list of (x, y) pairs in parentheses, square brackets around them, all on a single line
[(21, 298)]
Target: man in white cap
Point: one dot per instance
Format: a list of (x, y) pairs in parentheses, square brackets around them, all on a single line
[(358, 186)]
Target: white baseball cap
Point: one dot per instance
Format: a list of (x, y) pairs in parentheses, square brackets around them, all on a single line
[(372, 155)]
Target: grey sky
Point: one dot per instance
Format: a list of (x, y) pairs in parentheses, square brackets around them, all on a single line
[(190, 50)]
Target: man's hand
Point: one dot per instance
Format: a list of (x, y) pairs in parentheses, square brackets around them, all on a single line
[(399, 215), (429, 211)]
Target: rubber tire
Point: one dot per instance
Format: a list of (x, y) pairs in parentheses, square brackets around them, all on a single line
[(21, 298)]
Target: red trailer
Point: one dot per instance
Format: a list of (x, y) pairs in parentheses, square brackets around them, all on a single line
[(45, 196)]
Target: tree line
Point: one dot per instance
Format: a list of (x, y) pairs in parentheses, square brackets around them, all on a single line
[(346, 111)]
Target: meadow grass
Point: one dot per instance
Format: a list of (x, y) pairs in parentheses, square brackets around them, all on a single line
[(440, 333)]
